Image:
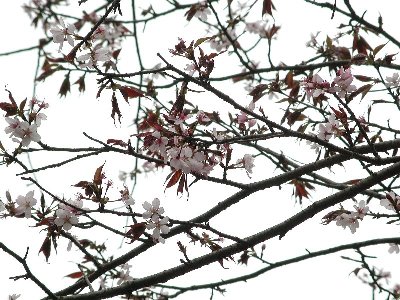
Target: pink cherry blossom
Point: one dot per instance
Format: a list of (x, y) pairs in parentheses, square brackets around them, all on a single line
[(202, 117), (315, 86), (159, 144), (343, 82), (14, 127), (25, 204)]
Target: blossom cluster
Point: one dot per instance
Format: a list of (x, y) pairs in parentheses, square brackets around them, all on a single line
[(155, 220), (23, 129), (328, 129), (345, 218), (96, 52), (341, 84)]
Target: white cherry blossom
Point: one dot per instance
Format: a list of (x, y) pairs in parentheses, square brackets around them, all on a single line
[(126, 197), (65, 219), (393, 81), (159, 227), (65, 32), (25, 204), (153, 210)]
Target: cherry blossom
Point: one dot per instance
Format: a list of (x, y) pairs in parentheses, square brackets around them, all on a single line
[(14, 127), (393, 81), (312, 42), (60, 34), (348, 220), (203, 11), (29, 134), (153, 210), (74, 206), (394, 248), (124, 277), (126, 197), (90, 60), (316, 147), (257, 27), (202, 117), (190, 68), (327, 130), (315, 86), (223, 42), (38, 117), (65, 219), (122, 176), (343, 82), (243, 118), (148, 166), (324, 132), (25, 204), (69, 246), (391, 202), (248, 163), (159, 227), (361, 210), (159, 144)]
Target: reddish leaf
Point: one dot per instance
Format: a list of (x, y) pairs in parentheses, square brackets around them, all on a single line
[(85, 243), (81, 84), (192, 11), (65, 87), (363, 78), (115, 108), (46, 248), (75, 275), (82, 184), (258, 91), (353, 181), (267, 7), (98, 175), (116, 53), (130, 92), (10, 108), (182, 184), (46, 221), (362, 90), (117, 142), (136, 230), (174, 178)]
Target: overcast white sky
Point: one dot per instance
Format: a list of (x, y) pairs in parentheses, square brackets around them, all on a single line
[(326, 277)]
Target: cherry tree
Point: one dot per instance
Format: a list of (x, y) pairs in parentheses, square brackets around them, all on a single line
[(216, 119)]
